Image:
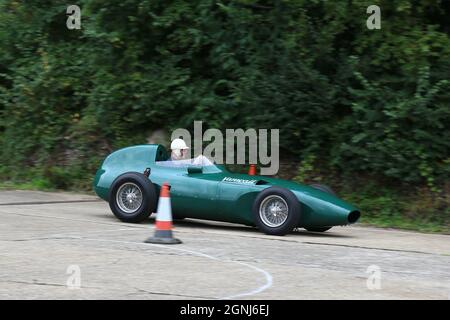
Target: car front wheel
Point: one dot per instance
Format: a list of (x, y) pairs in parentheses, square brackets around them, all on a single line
[(132, 197)]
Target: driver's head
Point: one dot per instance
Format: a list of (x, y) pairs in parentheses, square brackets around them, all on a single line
[(179, 149)]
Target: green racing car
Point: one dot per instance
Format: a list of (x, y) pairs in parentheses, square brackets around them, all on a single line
[(130, 180)]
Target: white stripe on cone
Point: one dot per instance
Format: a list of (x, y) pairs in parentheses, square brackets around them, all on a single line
[(164, 212)]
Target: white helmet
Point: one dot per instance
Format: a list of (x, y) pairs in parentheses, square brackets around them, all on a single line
[(178, 144)]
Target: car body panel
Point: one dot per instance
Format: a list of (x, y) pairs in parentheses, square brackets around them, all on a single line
[(216, 193)]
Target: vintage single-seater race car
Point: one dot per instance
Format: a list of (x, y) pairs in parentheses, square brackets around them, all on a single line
[(130, 180)]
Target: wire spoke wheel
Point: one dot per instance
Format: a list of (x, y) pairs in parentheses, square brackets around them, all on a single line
[(129, 197), (273, 211), (132, 197)]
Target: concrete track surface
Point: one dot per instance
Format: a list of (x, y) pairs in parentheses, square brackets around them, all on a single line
[(70, 246)]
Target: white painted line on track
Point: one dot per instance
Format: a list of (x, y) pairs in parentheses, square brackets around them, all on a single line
[(267, 276), (267, 285)]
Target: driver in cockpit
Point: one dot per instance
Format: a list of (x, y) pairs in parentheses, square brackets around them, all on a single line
[(179, 149), (179, 152)]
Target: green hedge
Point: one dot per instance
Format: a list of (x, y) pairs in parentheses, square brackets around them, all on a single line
[(361, 101)]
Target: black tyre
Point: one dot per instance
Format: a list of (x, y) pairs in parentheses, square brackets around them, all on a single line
[(276, 211), (326, 189), (132, 197)]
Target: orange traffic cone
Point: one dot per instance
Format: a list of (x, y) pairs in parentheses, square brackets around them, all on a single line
[(163, 231), (252, 170)]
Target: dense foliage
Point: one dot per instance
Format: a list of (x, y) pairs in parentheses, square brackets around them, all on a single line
[(361, 101)]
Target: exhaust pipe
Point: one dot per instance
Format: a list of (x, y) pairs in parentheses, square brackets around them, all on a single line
[(353, 216)]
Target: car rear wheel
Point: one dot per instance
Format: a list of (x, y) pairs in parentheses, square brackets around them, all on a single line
[(132, 197), (328, 190), (276, 211)]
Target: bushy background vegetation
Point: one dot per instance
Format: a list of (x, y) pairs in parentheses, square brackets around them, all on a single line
[(366, 111)]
